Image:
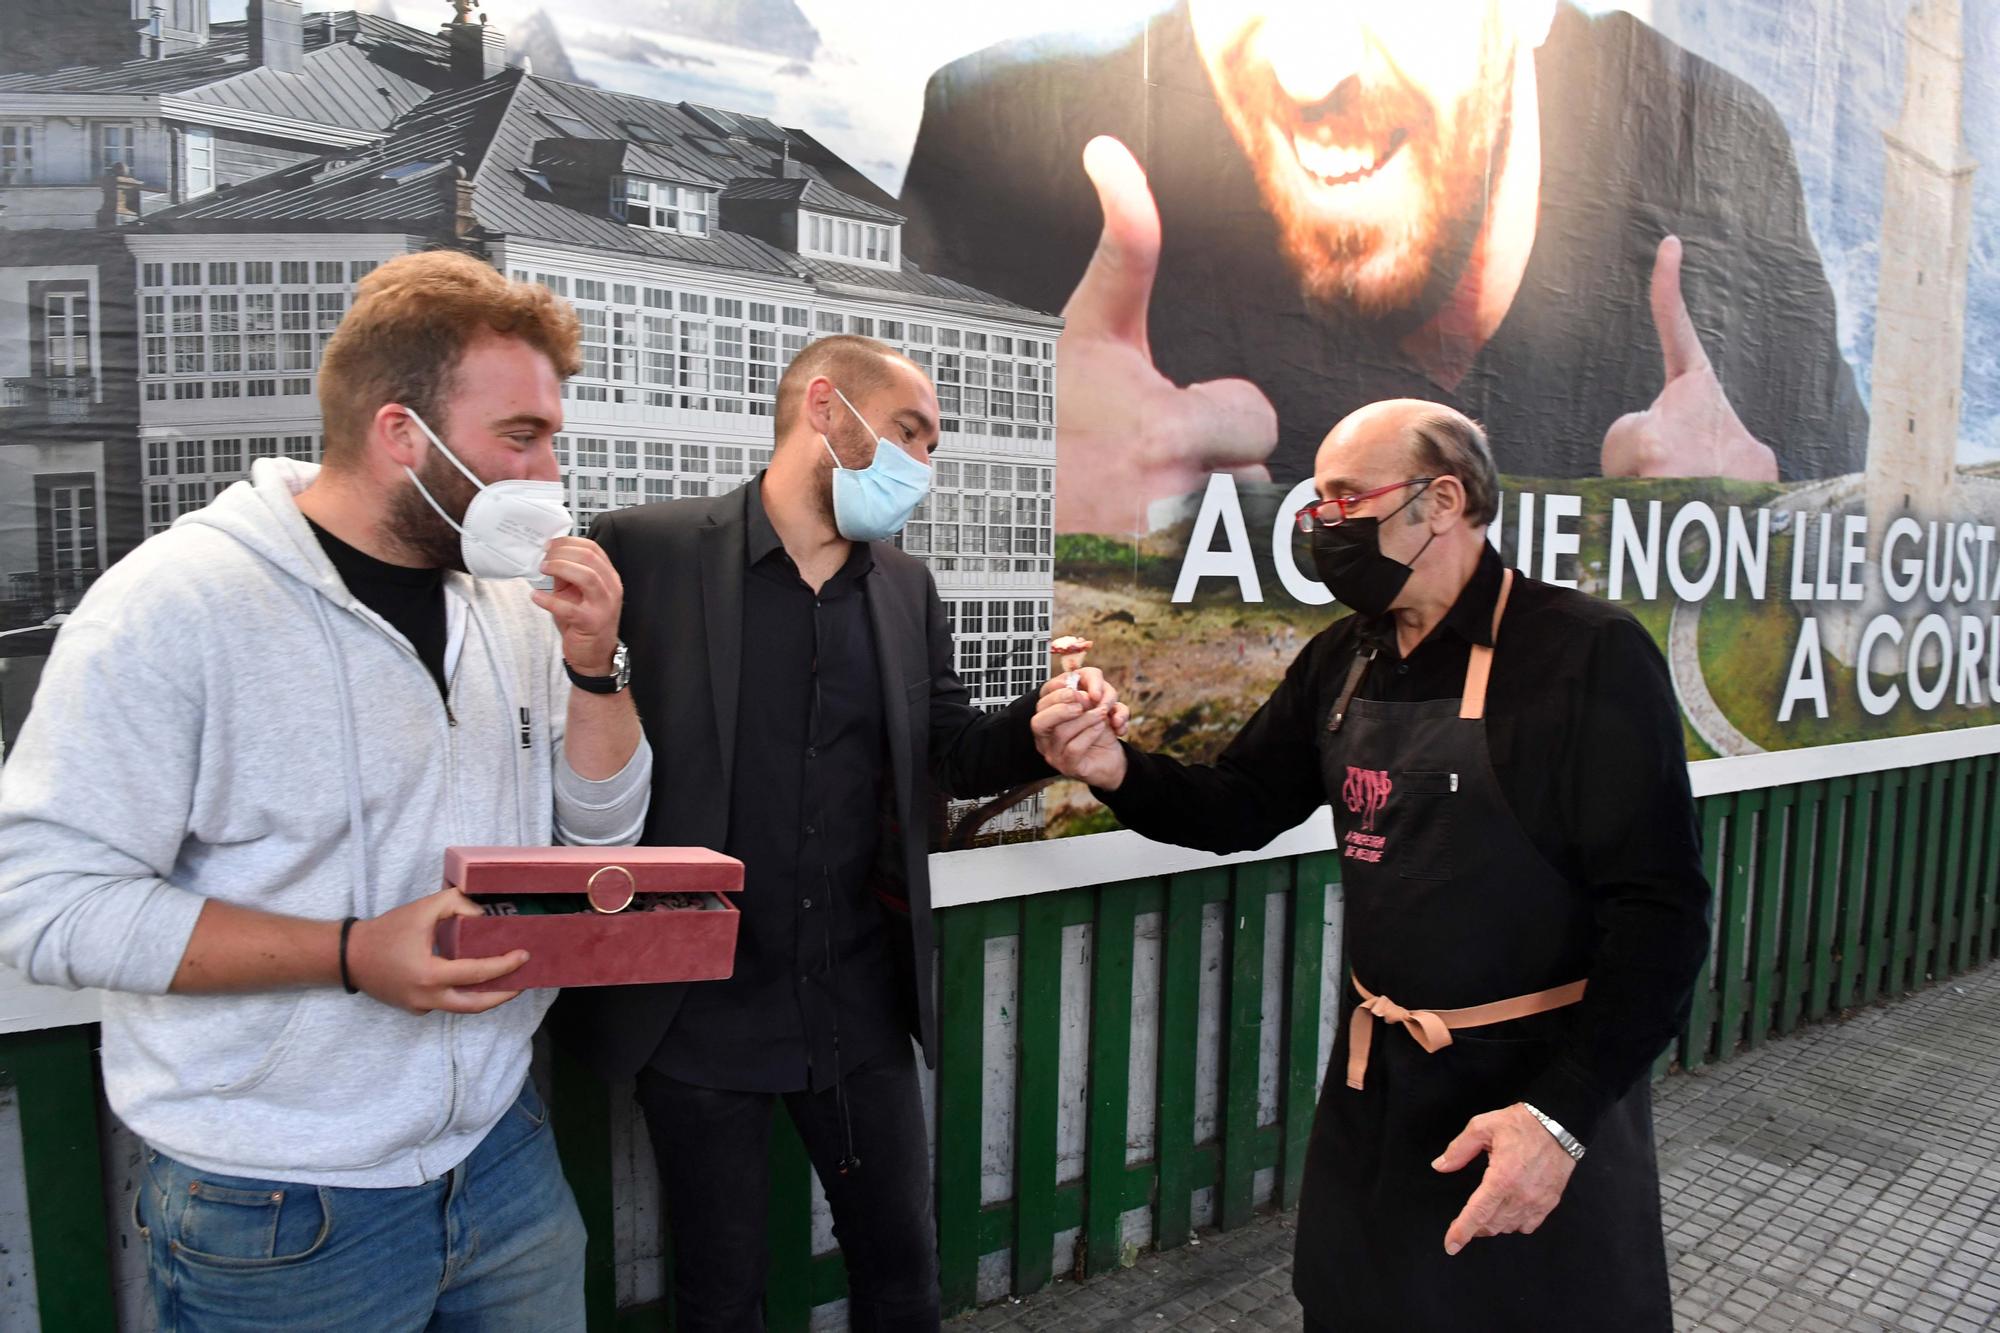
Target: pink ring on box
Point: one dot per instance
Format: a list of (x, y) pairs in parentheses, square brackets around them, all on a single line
[(599, 904)]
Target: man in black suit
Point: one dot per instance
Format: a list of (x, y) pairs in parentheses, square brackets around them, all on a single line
[(794, 670), (1485, 203)]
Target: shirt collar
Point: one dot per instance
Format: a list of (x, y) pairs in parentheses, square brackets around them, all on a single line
[(761, 539), (1470, 617)]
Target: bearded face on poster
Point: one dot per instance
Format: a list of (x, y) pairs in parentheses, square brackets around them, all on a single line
[(1374, 143), (1421, 202)]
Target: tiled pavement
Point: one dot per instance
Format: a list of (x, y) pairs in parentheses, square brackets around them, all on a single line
[(1847, 1178)]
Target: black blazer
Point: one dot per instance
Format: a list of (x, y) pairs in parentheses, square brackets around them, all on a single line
[(683, 564)]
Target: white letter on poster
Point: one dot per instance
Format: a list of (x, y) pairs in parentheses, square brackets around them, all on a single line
[(1807, 679), (1853, 554), (1881, 627), (1750, 554), (1627, 545), (1693, 590), (1524, 556), (1234, 561), (1801, 589), (1825, 589), (1932, 626), (1913, 568), (1971, 652), (1304, 589), (1556, 542)]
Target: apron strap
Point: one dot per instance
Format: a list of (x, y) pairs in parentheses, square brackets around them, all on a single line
[(1432, 1028), (1472, 704), (1355, 671)]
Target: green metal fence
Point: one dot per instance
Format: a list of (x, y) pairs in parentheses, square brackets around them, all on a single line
[(1829, 895), (1840, 893)]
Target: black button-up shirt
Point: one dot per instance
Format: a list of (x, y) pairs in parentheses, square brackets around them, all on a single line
[(1586, 743), (813, 961)]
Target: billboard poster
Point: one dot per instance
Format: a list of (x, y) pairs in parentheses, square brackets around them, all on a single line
[(1718, 277)]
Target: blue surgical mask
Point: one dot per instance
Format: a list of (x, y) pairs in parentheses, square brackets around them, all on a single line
[(872, 503)]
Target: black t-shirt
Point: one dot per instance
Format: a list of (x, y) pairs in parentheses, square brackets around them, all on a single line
[(412, 600)]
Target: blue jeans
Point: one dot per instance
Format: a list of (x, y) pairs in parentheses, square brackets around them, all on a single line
[(496, 1245)]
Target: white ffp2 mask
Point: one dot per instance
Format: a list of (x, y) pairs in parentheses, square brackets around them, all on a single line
[(509, 524)]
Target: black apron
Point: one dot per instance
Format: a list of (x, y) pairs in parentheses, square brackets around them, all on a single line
[(1449, 905)]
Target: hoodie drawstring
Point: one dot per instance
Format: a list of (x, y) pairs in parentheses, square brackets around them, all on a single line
[(357, 841)]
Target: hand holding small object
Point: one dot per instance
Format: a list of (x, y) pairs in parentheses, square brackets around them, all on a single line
[(1070, 651)]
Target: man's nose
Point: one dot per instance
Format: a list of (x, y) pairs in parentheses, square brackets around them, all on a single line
[(542, 465), (1312, 48)]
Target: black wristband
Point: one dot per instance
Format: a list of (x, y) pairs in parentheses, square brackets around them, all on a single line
[(346, 981)]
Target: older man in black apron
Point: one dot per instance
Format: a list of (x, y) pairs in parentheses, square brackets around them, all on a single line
[(1526, 907)]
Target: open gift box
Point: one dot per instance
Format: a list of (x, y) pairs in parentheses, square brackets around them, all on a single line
[(595, 916)]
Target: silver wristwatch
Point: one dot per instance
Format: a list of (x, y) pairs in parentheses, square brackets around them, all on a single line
[(621, 674), (1565, 1139)]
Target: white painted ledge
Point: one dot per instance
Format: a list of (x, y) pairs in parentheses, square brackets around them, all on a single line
[(984, 874), (987, 874)]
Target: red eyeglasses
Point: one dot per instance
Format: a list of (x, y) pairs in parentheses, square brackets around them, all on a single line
[(1332, 513)]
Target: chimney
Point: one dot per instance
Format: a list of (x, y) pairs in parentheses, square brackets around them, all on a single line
[(465, 219), (277, 35), (785, 168), (478, 50)]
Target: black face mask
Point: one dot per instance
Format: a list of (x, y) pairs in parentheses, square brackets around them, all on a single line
[(1349, 561)]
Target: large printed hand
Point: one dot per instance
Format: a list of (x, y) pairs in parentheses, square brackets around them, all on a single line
[(1125, 434), (1690, 430)]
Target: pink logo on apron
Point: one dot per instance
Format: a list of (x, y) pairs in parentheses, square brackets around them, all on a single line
[(1365, 792)]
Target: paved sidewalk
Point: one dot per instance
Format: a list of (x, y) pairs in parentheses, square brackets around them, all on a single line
[(1847, 1178)]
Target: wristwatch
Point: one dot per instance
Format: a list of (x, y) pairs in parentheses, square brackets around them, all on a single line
[(621, 675), (1563, 1137)]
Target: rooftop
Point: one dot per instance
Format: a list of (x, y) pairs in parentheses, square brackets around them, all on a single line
[(360, 72), (521, 140)]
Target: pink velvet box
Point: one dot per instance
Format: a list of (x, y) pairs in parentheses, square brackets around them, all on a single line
[(611, 940)]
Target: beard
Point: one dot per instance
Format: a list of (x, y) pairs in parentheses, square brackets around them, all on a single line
[(1430, 177), (414, 525), (857, 443)]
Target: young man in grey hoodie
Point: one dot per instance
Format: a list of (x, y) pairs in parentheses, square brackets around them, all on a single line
[(252, 742)]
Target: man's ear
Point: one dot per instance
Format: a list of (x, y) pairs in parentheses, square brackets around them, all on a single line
[(820, 404), (394, 431), (1447, 502)]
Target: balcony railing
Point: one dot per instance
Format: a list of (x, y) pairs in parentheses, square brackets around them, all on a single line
[(32, 596), (63, 397)]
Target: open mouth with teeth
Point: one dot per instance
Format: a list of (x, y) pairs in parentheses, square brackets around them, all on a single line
[(1343, 164)]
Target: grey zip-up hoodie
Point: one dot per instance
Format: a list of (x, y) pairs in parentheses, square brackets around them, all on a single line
[(222, 719)]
